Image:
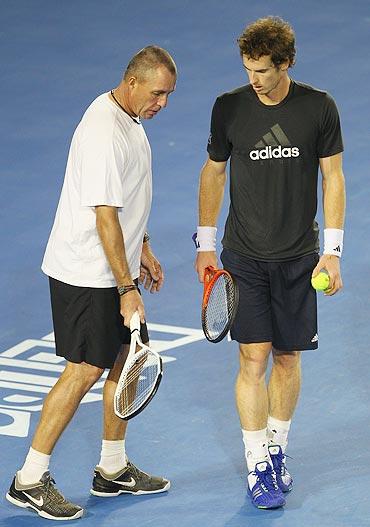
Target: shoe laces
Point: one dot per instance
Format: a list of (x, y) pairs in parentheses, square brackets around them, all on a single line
[(266, 479), (51, 492), (280, 458), (136, 471)]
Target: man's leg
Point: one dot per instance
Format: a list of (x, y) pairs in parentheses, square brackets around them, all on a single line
[(32, 486), (58, 409), (114, 474), (62, 402), (252, 402), (114, 427), (251, 391), (113, 454), (283, 389)]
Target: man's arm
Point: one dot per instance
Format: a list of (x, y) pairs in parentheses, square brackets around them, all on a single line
[(334, 194), (211, 194), (110, 233), (334, 202)]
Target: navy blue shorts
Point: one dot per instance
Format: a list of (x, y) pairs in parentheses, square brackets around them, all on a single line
[(88, 325), (276, 301)]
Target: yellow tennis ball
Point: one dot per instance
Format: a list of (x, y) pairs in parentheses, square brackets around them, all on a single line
[(320, 282)]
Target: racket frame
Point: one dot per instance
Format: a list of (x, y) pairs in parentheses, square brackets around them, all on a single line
[(214, 275), (132, 357)]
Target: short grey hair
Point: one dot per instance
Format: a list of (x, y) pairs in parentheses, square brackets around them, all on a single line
[(147, 59)]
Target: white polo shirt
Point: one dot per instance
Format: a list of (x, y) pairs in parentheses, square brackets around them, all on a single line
[(109, 163)]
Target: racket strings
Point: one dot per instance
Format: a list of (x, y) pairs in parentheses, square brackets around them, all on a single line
[(220, 306), (139, 383)]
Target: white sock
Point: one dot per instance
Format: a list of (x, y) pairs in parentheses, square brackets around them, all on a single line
[(113, 456), (36, 463), (256, 447), (277, 432)]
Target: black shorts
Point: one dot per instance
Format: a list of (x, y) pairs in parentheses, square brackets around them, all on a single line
[(88, 326), (277, 302)]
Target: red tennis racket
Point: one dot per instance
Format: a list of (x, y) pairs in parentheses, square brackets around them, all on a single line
[(220, 303)]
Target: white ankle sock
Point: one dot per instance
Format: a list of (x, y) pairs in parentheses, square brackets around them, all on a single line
[(113, 456), (277, 432), (36, 463), (256, 450)]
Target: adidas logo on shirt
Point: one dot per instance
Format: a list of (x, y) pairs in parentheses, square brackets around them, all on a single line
[(269, 153), (274, 145)]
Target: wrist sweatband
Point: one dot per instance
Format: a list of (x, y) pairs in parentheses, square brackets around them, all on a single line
[(333, 241), (205, 239)]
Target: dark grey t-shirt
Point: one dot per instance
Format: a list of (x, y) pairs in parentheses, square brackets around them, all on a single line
[(274, 156)]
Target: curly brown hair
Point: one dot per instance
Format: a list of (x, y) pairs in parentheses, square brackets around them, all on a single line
[(269, 36)]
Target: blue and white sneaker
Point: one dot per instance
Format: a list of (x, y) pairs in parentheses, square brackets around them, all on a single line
[(263, 489), (283, 478)]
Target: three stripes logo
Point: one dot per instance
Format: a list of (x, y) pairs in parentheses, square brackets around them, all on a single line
[(337, 249), (274, 145)]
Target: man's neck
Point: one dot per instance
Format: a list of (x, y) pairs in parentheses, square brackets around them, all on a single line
[(119, 98), (278, 94)]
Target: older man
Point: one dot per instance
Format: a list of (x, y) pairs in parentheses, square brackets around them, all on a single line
[(97, 250)]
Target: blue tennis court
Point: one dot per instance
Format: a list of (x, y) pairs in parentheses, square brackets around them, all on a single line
[(56, 58)]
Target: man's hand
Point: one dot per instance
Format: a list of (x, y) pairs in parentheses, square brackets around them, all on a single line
[(331, 264), (151, 274), (131, 302), (204, 259)]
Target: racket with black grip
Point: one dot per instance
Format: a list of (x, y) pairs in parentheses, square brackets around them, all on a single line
[(140, 376)]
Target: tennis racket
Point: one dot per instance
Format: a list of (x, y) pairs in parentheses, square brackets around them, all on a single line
[(220, 303), (140, 376)]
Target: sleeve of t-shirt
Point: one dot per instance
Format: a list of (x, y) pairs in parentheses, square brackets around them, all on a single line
[(330, 139), (101, 166), (219, 147)]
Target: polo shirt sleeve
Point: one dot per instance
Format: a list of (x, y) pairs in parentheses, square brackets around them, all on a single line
[(101, 165), (330, 139), (219, 147)]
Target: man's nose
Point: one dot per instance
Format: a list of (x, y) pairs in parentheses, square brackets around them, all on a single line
[(253, 77), (162, 101)]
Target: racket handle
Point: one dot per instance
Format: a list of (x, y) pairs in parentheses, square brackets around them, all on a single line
[(135, 322), (208, 275)]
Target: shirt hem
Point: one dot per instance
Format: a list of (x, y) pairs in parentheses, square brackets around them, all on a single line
[(67, 279), (273, 258)]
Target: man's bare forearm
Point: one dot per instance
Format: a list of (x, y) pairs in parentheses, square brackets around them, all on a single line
[(211, 192), (334, 202), (334, 194), (110, 233)]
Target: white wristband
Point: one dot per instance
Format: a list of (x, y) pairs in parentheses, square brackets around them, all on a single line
[(333, 241), (206, 239)]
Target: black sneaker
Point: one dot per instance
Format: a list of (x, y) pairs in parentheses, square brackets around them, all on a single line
[(44, 498), (129, 480)]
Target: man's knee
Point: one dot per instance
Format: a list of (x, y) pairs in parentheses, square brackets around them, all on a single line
[(287, 360), (253, 360), (83, 374)]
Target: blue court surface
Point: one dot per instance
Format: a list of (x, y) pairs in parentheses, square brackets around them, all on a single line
[(56, 57)]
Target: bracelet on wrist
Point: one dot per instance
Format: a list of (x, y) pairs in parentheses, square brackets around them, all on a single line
[(123, 289)]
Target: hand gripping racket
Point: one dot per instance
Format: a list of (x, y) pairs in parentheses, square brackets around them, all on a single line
[(220, 303), (140, 376)]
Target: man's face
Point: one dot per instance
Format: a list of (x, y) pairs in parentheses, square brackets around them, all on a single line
[(263, 75), (150, 95)]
